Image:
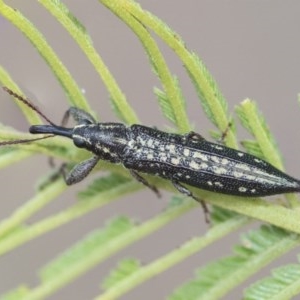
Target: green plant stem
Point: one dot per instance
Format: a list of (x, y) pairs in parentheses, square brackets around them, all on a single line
[(31, 116), (252, 266), (14, 232), (259, 131), (35, 37), (40, 200), (172, 258), (81, 208), (204, 81), (13, 157), (258, 209), (157, 59), (50, 286), (61, 13)]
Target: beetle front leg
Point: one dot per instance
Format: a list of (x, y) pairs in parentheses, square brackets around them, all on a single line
[(80, 171), (80, 116)]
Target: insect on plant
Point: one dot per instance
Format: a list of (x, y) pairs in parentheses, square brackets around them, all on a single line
[(182, 159)]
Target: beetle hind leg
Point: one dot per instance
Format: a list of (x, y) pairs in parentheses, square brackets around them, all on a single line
[(182, 189)]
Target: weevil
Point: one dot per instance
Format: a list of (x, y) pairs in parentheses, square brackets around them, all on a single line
[(184, 159)]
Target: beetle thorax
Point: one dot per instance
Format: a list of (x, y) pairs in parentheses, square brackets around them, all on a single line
[(105, 140)]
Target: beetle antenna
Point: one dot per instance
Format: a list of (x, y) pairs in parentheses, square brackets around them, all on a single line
[(28, 103), (34, 108), (7, 143)]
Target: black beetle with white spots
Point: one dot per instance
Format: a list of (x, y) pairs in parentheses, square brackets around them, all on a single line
[(182, 159)]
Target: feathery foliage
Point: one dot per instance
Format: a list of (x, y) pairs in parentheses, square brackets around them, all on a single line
[(258, 248)]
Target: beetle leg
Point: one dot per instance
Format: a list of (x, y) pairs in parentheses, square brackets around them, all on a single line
[(194, 136), (80, 116), (221, 139), (80, 171), (182, 189), (141, 179)]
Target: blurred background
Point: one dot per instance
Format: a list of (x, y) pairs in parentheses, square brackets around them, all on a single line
[(250, 47)]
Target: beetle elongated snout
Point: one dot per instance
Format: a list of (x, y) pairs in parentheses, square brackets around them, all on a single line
[(51, 129)]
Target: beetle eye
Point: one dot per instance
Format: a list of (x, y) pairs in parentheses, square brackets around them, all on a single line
[(86, 122), (79, 142)]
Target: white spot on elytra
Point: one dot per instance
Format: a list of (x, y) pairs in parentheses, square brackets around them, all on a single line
[(105, 150), (150, 143), (240, 154), (200, 155), (209, 183), (220, 170), (218, 147), (163, 158), (150, 156), (237, 174), (224, 161), (242, 189), (175, 161), (186, 152), (217, 183), (171, 148), (250, 177), (215, 159), (131, 143), (203, 166), (244, 167), (194, 165)]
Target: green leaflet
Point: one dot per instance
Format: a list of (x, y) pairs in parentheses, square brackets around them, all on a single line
[(77, 31), (213, 102), (220, 215), (125, 268), (253, 148), (168, 107), (283, 284), (252, 119), (146, 271), (114, 186), (65, 12), (104, 184), (258, 248), (86, 247), (38, 40), (6, 80), (16, 294), (9, 156), (157, 61), (264, 145)]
